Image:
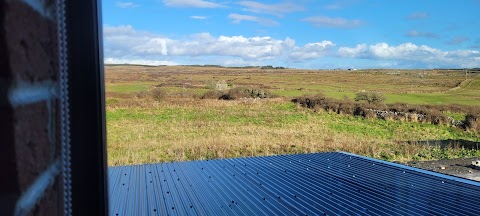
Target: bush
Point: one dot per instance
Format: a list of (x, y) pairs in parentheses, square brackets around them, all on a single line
[(242, 92), (396, 112), (158, 94), (361, 96), (311, 101), (214, 94), (364, 112), (437, 118), (472, 121), (237, 93), (370, 97), (211, 85), (346, 107)]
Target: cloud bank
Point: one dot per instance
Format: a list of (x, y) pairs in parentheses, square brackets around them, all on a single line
[(124, 44), (409, 52)]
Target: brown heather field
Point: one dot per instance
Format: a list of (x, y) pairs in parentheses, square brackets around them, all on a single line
[(155, 114)]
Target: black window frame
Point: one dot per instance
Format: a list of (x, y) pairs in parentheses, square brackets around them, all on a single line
[(87, 108)]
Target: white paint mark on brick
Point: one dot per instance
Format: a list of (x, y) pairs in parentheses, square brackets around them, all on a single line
[(31, 197), (24, 94), (41, 8)]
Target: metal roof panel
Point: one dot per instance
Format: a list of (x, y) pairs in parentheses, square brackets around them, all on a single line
[(303, 184)]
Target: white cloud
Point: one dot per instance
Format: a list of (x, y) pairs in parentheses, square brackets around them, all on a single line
[(237, 46), (137, 61), (418, 15), (124, 41), (198, 17), (238, 18), (360, 51), (311, 50), (191, 3), (332, 22), (411, 53), (238, 62), (414, 33), (385, 51), (463, 54), (124, 44), (274, 9), (109, 31), (126, 5)]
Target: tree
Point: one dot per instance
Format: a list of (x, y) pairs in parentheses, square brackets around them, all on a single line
[(370, 97)]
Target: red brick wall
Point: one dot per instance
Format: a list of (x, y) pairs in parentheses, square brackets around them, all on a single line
[(29, 114)]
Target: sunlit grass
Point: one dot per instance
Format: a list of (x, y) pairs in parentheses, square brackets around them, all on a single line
[(128, 87), (185, 129)]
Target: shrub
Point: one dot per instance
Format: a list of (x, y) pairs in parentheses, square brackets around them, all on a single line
[(436, 117), (370, 97), (242, 92), (396, 112), (236, 93), (211, 84), (472, 121), (358, 111), (259, 93), (346, 107), (361, 96), (311, 101), (158, 94), (214, 94)]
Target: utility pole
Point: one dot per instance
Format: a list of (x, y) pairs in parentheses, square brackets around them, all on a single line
[(466, 72)]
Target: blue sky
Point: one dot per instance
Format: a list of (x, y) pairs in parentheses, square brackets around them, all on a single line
[(309, 34)]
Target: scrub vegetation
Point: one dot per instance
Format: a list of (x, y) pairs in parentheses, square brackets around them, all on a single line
[(166, 113)]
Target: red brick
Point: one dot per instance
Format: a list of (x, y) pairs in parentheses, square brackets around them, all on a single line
[(31, 41), (51, 203), (32, 144), (28, 54)]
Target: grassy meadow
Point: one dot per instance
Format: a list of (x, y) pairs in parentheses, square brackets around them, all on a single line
[(178, 125)]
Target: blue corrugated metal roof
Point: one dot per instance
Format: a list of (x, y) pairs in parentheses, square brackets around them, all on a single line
[(306, 184)]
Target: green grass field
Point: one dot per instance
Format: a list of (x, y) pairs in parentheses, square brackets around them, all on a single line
[(183, 127)]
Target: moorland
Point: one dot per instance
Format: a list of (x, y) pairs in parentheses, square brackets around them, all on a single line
[(180, 113)]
